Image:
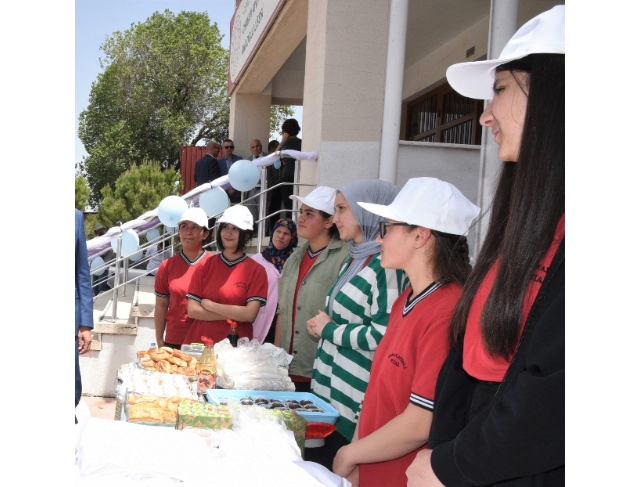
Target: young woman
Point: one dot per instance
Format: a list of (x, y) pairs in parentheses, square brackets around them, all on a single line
[(306, 279), (173, 278), (422, 235), (283, 241), (229, 285), (357, 311), (499, 403)]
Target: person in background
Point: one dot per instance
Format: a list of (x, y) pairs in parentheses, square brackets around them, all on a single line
[(99, 281), (207, 168), (156, 253), (225, 162), (274, 197), (283, 241), (306, 279), (290, 140), (357, 311), (171, 319), (84, 300), (254, 205), (229, 285), (499, 410), (423, 235), (273, 146)]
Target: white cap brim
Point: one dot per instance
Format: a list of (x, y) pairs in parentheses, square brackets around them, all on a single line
[(475, 79), (381, 210)]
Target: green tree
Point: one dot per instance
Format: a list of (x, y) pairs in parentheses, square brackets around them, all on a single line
[(163, 85), (279, 113), (136, 191), (82, 193)]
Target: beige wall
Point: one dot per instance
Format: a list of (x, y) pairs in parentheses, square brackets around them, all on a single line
[(249, 119), (344, 89)]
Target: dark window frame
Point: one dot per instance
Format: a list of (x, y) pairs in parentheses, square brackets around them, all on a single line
[(443, 115)]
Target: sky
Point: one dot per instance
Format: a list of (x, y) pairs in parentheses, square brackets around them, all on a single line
[(97, 19)]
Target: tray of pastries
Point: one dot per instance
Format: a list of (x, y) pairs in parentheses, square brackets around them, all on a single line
[(168, 361), (153, 410)]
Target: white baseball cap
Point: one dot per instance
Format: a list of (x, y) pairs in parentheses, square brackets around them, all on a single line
[(195, 215), (238, 215), (543, 34), (321, 198), (430, 203)]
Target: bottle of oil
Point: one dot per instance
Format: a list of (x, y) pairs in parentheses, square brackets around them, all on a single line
[(233, 333), (206, 367)]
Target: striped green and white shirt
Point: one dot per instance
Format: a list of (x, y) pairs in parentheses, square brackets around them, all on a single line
[(345, 351)]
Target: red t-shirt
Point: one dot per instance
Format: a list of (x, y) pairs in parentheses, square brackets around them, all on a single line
[(405, 369), (476, 360), (172, 281), (235, 282)]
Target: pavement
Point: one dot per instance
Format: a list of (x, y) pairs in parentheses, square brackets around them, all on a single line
[(101, 407)]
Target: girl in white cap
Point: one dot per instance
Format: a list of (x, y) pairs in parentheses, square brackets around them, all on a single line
[(173, 278), (230, 285), (306, 279), (423, 234), (357, 311), (499, 404)]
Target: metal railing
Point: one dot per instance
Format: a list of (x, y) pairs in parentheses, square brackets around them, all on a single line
[(167, 243)]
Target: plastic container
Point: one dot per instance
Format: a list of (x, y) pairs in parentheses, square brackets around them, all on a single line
[(195, 349), (328, 414)]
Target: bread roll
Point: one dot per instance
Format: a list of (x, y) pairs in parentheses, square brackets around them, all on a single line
[(164, 366), (176, 361), (159, 355)]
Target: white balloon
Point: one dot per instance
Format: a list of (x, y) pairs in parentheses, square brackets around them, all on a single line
[(170, 210), (152, 234), (244, 175), (136, 256), (214, 201), (130, 243), (96, 264)]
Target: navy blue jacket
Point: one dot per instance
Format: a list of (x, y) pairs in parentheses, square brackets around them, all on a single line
[(84, 295), (207, 169)]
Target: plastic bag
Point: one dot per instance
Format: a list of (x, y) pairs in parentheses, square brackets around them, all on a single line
[(252, 366)]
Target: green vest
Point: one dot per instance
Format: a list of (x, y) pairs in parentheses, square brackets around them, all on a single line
[(311, 298)]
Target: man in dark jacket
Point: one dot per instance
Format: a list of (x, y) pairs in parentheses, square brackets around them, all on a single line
[(207, 168)]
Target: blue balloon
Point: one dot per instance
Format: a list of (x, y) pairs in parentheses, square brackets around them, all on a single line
[(214, 201), (130, 243), (96, 264), (277, 164), (244, 175), (136, 256), (152, 234), (170, 210)]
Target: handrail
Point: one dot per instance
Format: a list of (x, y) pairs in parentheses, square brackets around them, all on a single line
[(122, 264)]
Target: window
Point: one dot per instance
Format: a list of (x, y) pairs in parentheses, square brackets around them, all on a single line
[(443, 115)]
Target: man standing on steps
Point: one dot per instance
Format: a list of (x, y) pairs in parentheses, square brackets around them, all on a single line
[(225, 162), (84, 300), (207, 168), (254, 205)]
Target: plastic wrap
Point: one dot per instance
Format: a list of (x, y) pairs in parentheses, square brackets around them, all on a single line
[(252, 366)]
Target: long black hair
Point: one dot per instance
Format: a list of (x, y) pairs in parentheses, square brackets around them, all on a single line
[(528, 203)]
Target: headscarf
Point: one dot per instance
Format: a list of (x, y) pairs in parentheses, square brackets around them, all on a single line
[(279, 257), (367, 191)]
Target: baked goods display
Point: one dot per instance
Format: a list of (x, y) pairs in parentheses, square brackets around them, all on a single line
[(144, 408), (303, 405), (168, 361), (162, 385)]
